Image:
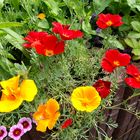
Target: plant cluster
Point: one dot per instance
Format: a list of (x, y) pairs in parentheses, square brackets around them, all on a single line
[(61, 63)]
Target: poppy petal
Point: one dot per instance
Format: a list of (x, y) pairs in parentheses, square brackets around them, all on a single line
[(106, 65), (10, 83), (132, 82), (132, 70), (59, 47), (124, 59), (42, 125), (8, 105), (52, 122), (28, 90)]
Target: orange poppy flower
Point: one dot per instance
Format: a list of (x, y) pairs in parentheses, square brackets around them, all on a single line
[(13, 94), (85, 98), (47, 115)]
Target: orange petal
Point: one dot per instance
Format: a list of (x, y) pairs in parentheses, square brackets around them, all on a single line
[(52, 106), (28, 90), (52, 121)]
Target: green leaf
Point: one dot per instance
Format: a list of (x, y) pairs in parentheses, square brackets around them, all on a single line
[(87, 28), (136, 25), (132, 43), (118, 44), (100, 5), (1, 3), (2, 33), (9, 24), (43, 24), (77, 6), (16, 40), (136, 51), (5, 53), (135, 57), (53, 5), (134, 35)]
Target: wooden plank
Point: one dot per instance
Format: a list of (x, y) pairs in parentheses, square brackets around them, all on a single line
[(131, 117), (115, 112), (122, 117)]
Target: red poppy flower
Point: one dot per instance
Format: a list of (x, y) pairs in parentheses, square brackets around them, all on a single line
[(134, 80), (113, 59), (67, 123), (34, 38), (103, 87), (65, 32), (106, 20), (44, 43)]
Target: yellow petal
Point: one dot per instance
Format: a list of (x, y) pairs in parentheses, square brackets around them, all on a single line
[(28, 90), (8, 105), (85, 98), (10, 83), (42, 125)]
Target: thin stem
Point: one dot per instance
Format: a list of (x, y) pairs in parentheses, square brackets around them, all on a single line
[(111, 107)]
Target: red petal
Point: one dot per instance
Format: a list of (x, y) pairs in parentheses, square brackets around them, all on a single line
[(67, 123), (132, 82), (27, 45), (112, 54), (107, 66), (103, 87), (40, 49), (101, 24), (71, 34), (50, 42), (132, 70), (58, 28), (59, 47), (116, 19), (124, 59)]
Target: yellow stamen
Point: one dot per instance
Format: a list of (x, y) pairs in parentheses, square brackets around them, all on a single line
[(49, 53), (138, 78), (109, 23), (116, 63)]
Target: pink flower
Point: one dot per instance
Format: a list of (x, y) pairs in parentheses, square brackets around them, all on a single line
[(16, 131), (3, 132), (26, 123)]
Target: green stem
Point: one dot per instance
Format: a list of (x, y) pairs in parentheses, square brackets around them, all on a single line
[(123, 101)]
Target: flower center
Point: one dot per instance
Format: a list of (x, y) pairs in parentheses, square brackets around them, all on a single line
[(1, 133), (49, 53), (109, 23), (17, 132), (25, 124), (116, 63), (101, 85), (84, 104), (138, 78)]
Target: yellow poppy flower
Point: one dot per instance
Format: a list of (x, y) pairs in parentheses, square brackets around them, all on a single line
[(13, 94), (47, 115), (41, 16), (85, 98)]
